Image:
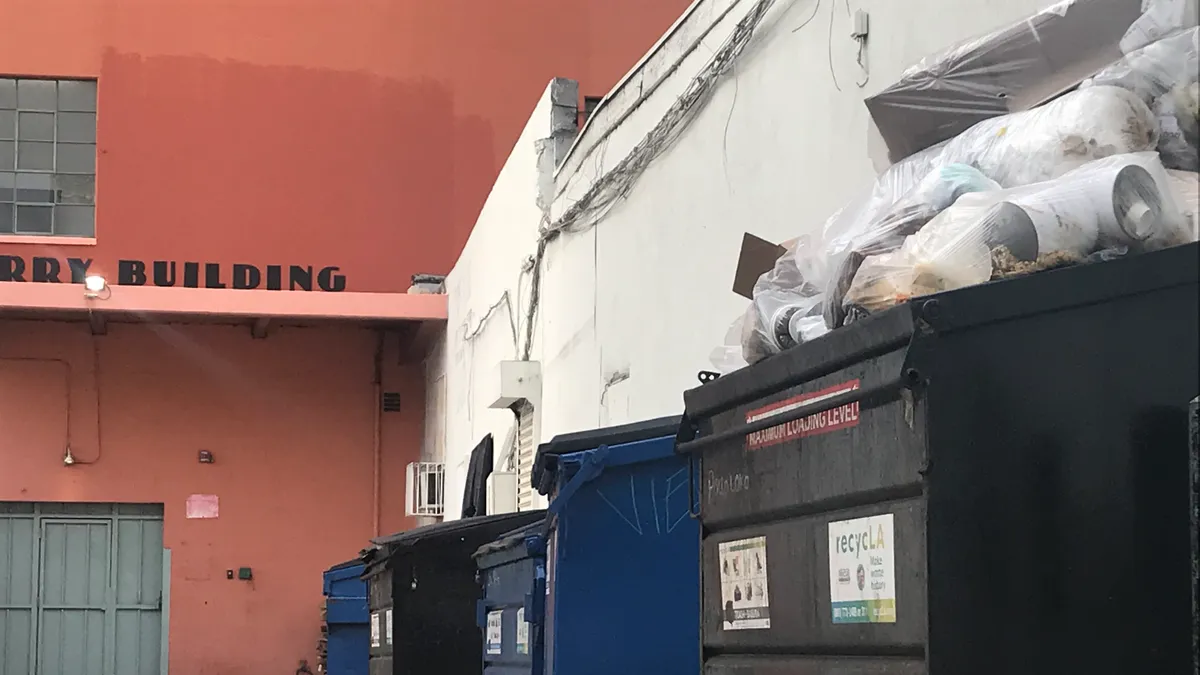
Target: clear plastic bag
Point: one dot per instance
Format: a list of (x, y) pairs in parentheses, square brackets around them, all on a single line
[(1165, 74), (1007, 70), (728, 357), (1185, 188), (1113, 204), (937, 191), (1159, 19)]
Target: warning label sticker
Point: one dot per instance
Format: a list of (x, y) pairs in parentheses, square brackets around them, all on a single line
[(841, 417), (862, 570), (744, 594)]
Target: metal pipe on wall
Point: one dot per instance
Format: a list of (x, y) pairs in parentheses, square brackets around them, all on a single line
[(377, 431)]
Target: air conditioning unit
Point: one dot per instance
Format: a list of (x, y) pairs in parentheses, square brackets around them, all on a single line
[(425, 489), (501, 492)]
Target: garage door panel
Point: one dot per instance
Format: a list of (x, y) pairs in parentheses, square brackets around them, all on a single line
[(75, 558), (139, 562), (17, 547), (72, 642), (81, 589), (139, 642), (18, 553), (16, 641)]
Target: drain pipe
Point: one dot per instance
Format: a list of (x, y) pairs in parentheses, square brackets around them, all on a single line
[(377, 432)]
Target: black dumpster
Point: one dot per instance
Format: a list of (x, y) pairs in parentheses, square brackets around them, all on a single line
[(991, 480), (423, 596)]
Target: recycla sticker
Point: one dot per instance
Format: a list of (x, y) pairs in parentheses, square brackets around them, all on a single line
[(862, 570)]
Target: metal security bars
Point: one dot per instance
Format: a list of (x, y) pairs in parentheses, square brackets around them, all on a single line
[(47, 157), (426, 488)]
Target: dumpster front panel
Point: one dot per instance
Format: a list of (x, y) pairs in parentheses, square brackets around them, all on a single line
[(509, 639), (347, 619), (625, 583), (1058, 490), (1030, 473), (380, 610)]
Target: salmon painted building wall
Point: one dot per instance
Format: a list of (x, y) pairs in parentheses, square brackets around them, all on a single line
[(251, 148)]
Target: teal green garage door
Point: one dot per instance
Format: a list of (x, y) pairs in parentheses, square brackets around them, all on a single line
[(81, 589)]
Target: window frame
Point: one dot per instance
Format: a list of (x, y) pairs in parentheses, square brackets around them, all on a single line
[(60, 189)]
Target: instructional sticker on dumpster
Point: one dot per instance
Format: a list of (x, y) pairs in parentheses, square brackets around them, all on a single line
[(744, 596), (862, 570), (495, 632), (522, 632), (375, 629), (387, 631), (834, 419)]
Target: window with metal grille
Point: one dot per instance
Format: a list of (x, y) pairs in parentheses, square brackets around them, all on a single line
[(47, 157), (425, 489), (526, 450)]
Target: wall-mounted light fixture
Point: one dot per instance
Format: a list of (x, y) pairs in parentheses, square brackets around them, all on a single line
[(68, 458), (94, 285)]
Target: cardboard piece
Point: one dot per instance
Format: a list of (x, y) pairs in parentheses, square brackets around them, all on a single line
[(756, 257)]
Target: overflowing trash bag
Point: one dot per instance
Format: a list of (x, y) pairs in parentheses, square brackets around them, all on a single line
[(790, 302), (1165, 75), (1107, 170), (1122, 203)]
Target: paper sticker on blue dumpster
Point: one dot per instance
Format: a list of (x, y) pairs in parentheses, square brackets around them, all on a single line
[(862, 570), (522, 632), (744, 595), (495, 632)]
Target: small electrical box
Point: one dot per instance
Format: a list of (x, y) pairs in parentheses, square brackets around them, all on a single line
[(244, 574), (206, 457), (862, 25)]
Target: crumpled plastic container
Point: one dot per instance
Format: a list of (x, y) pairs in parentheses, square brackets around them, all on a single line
[(1123, 202)]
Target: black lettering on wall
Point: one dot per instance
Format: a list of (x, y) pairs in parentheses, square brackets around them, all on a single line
[(300, 276), (329, 280), (12, 268), (79, 269), (212, 275), (191, 274), (246, 277), (274, 277), (46, 270), (164, 273), (131, 273)]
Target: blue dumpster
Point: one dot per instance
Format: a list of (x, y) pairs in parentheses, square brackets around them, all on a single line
[(513, 573), (619, 554), (348, 639)]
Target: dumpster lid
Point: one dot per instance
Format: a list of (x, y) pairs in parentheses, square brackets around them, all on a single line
[(345, 570), (546, 461), (1003, 300), (383, 548), (509, 540)]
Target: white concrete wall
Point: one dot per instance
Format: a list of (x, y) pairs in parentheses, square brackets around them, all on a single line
[(487, 286), (632, 306)]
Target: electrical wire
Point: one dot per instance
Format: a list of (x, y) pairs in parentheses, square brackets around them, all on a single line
[(829, 45), (614, 186), (816, 8)]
